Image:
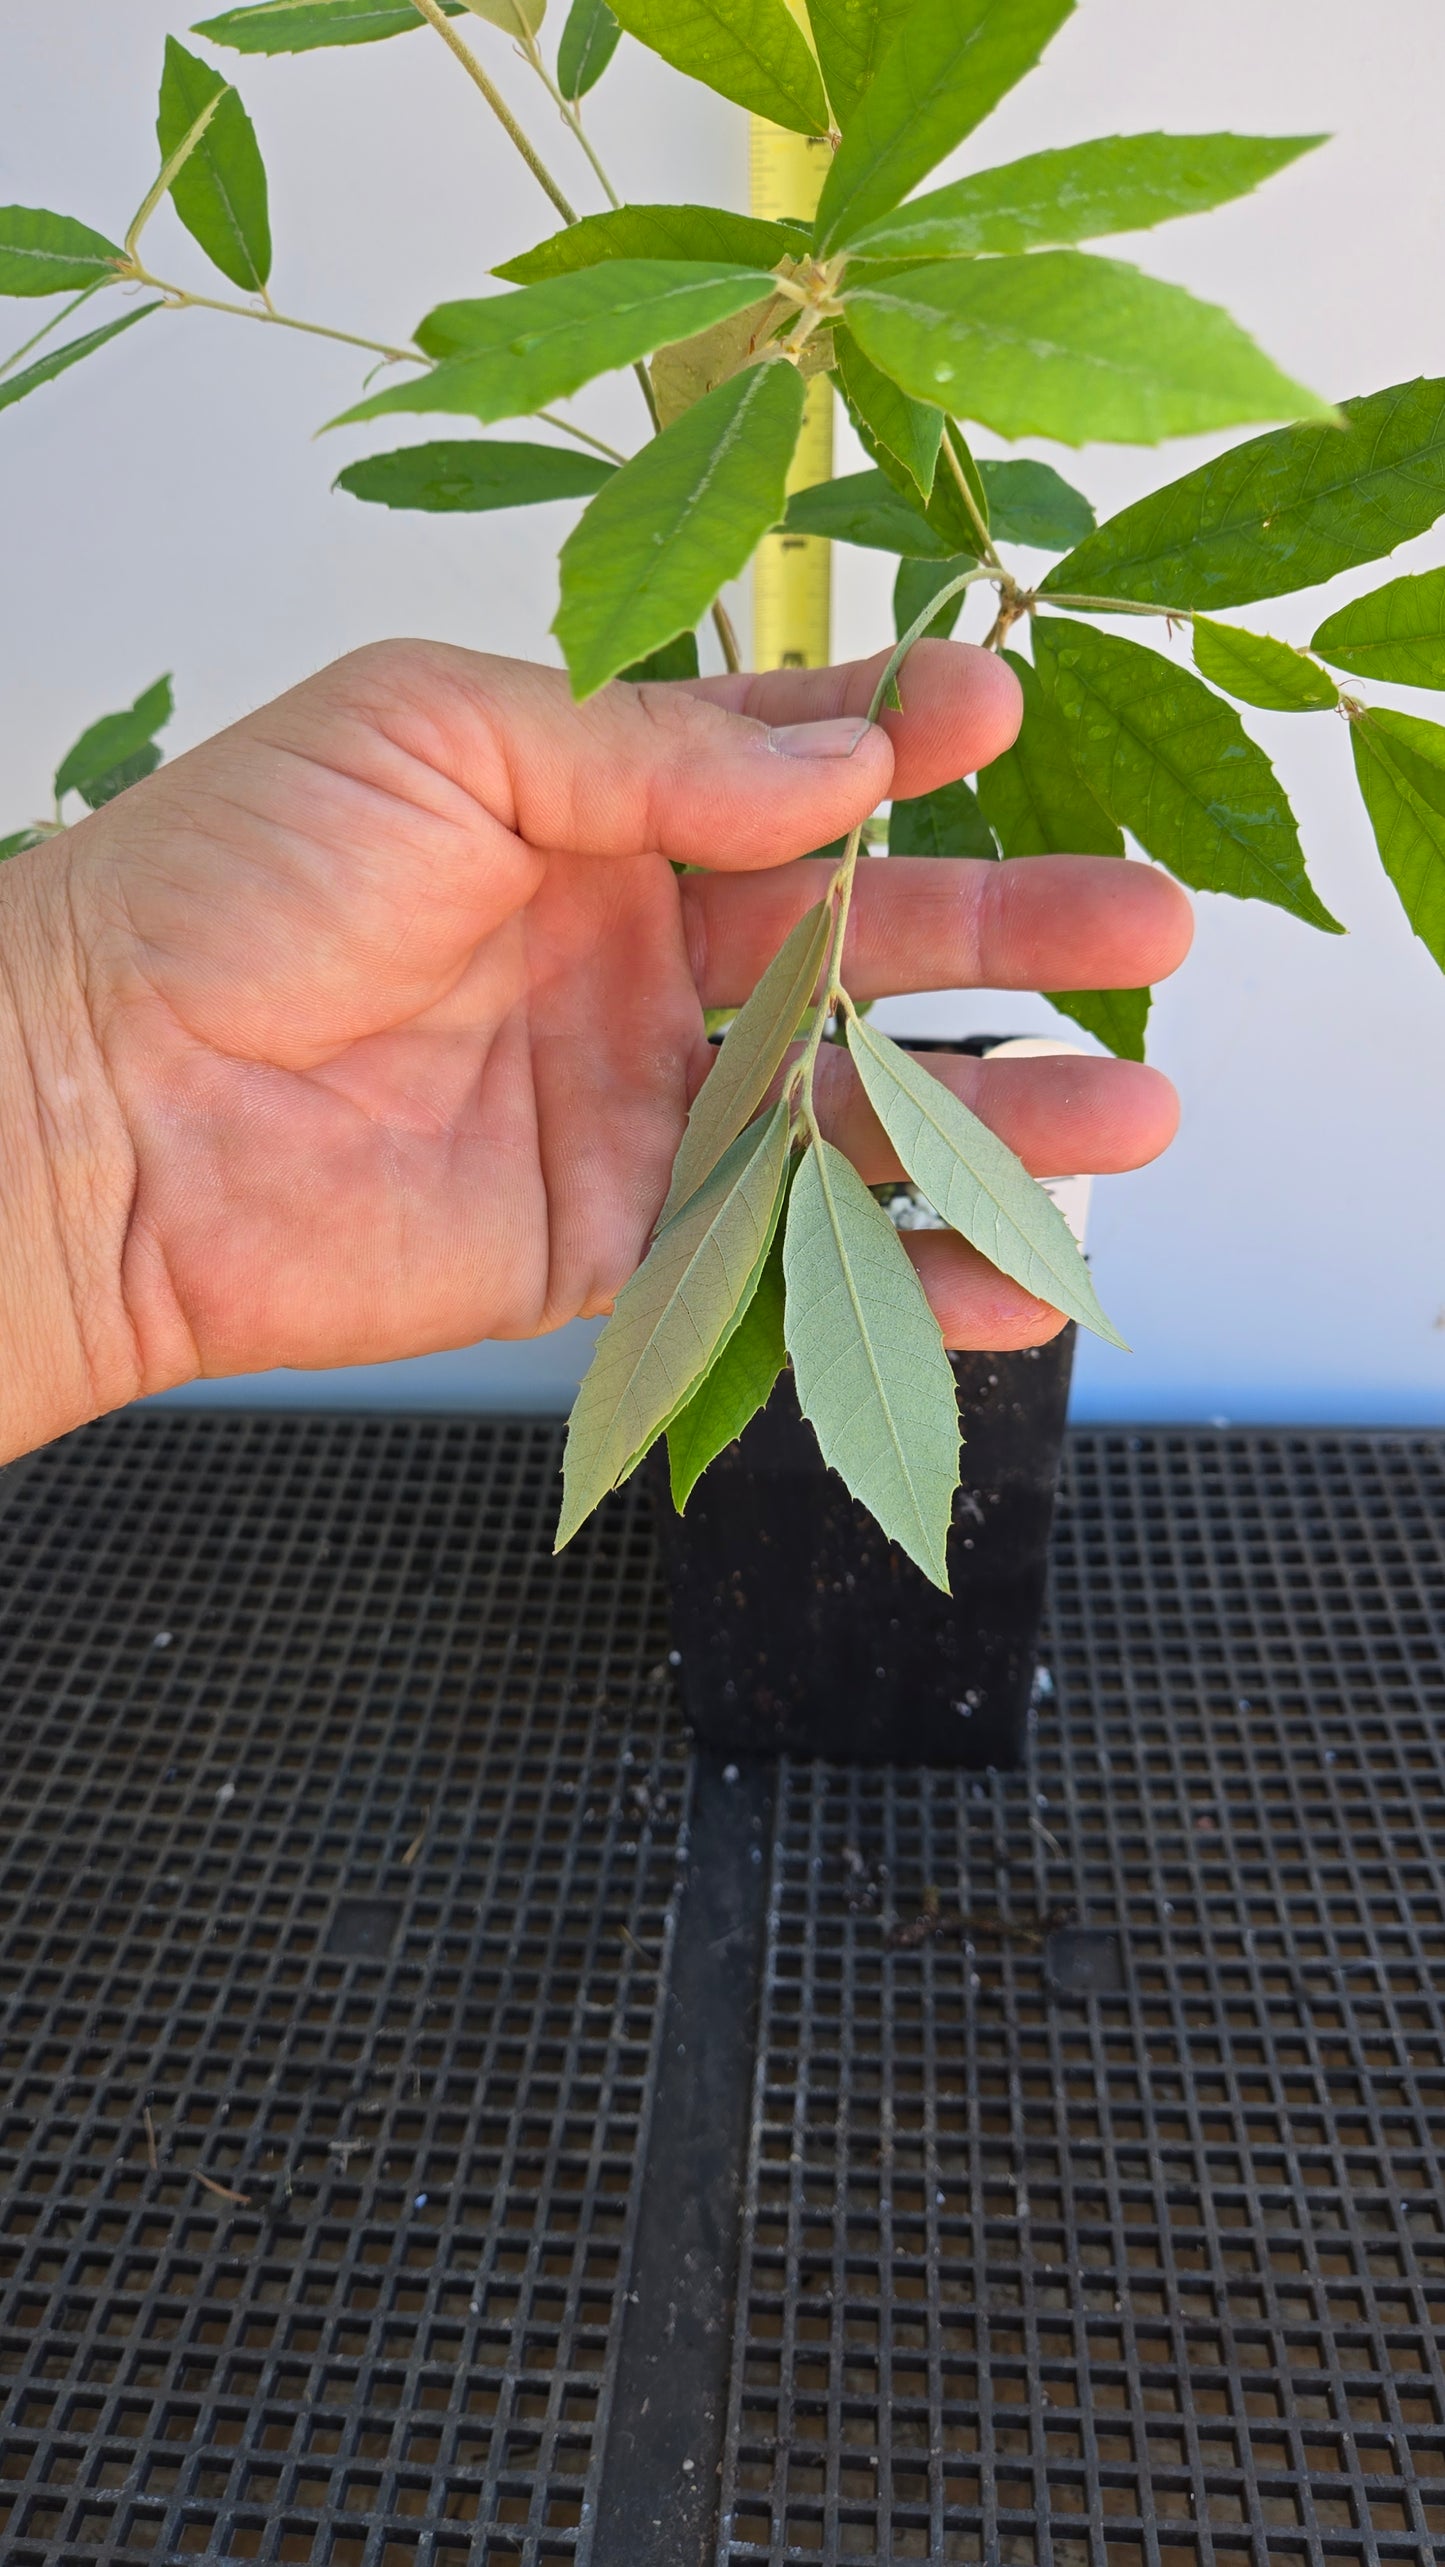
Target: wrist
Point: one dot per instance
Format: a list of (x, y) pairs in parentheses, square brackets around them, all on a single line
[(67, 1175)]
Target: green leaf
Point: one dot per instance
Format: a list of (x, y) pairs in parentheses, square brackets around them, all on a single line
[(1117, 1018), (1064, 345), (1037, 804), (664, 666), (946, 510), (752, 1051), (519, 18), (300, 26), (1259, 670), (971, 471), (597, 292), (219, 191), (113, 740), (1121, 183), (1030, 503), (589, 41), (22, 840), (705, 232), (916, 583), (104, 788), (910, 430), (863, 508), (973, 1180), (946, 822), (514, 353), (1033, 797), (669, 1321), (1173, 764), (737, 1319), (683, 516), (751, 51), (1396, 633), (939, 75), (469, 475), (1400, 763), (1283, 512), (910, 426), (872, 1375), (849, 36), (739, 1382), (14, 387), (44, 253)]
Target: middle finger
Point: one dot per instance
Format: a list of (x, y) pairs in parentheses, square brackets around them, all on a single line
[(1048, 922), (1068, 1116)]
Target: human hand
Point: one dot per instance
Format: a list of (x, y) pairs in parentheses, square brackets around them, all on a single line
[(370, 1027)]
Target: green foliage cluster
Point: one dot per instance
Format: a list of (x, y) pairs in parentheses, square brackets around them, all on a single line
[(974, 304), (114, 752)]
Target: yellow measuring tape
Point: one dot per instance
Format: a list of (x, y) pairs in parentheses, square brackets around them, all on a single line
[(793, 574)]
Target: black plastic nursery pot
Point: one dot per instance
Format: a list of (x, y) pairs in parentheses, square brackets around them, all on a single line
[(799, 1629)]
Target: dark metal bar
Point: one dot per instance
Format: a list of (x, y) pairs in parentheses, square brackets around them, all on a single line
[(658, 2506)]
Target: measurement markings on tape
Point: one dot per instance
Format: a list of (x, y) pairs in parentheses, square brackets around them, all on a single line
[(792, 574)]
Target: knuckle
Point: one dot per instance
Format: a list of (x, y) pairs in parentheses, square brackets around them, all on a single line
[(697, 931), (380, 672), (679, 717)]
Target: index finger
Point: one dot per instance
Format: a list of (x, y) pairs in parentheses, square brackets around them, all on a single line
[(961, 706)]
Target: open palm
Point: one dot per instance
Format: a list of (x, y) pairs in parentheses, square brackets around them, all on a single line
[(399, 994)]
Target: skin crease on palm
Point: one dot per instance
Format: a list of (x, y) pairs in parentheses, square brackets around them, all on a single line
[(369, 1028)]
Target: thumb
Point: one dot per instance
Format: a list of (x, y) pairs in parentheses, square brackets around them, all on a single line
[(650, 768)]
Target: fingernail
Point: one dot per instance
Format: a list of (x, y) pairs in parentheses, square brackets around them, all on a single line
[(820, 739)]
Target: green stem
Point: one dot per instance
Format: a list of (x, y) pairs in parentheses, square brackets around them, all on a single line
[(840, 889), (1114, 606), (987, 552), (538, 167), (567, 110), (436, 17), (86, 291), (552, 419), (168, 171), (917, 629), (722, 624), (180, 299)]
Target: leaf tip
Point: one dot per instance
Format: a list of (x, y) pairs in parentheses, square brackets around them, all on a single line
[(570, 1515), (1316, 915)]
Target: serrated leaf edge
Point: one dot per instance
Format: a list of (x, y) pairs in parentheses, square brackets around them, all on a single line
[(931, 1558), (770, 1133), (781, 994), (873, 1052), (1327, 924)]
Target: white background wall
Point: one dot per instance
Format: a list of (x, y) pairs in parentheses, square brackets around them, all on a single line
[(167, 508)]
